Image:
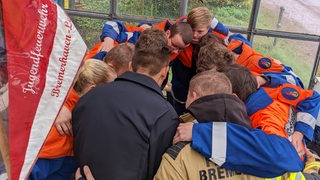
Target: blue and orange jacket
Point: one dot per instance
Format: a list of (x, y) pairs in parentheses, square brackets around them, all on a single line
[(273, 109), (258, 63)]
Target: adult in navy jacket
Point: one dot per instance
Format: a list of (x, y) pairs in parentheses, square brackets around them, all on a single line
[(121, 129)]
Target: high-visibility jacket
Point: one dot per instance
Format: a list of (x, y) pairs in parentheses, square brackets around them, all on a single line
[(181, 162), (258, 63)]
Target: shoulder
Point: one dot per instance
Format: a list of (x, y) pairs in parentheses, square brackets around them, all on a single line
[(174, 150)]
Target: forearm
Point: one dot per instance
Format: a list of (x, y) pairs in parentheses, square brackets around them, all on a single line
[(253, 152)]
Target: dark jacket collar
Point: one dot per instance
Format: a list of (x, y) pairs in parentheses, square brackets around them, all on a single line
[(220, 108), (141, 79)]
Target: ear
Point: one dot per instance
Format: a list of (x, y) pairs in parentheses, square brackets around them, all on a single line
[(235, 95), (164, 71), (130, 66), (110, 64), (168, 33), (92, 86), (194, 95)]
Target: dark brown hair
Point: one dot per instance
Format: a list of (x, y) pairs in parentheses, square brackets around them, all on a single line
[(242, 80), (152, 52), (182, 28), (214, 55)]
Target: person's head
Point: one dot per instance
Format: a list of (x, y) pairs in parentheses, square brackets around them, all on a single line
[(208, 83), (179, 36), (91, 74), (242, 80), (120, 57), (200, 20), (151, 55), (211, 38), (212, 56)]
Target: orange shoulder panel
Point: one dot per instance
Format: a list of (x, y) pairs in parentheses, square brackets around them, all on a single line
[(186, 56), (161, 25), (131, 28), (272, 119), (72, 99)]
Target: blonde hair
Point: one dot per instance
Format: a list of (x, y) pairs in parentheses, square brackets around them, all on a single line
[(199, 17), (93, 72)]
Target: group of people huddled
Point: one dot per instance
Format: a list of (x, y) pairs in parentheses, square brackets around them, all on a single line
[(233, 114)]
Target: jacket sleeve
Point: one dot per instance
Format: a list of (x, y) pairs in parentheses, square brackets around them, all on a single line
[(239, 37), (307, 113), (252, 152), (306, 104), (279, 78), (218, 27)]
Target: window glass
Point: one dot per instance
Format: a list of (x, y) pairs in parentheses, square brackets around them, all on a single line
[(297, 16), (234, 13), (101, 6), (89, 29), (299, 55), (149, 8)]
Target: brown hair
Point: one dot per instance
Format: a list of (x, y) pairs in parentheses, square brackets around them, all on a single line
[(151, 52), (214, 55), (210, 38), (120, 56), (182, 28), (93, 72), (242, 80), (210, 82), (199, 17)]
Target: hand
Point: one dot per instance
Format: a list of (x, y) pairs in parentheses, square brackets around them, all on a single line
[(261, 81), (145, 26), (107, 44), (87, 173), (63, 122), (183, 133), (297, 143)]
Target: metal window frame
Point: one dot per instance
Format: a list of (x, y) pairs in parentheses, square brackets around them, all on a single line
[(251, 31)]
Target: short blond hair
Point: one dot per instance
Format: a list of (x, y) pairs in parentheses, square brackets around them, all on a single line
[(93, 72), (199, 17), (120, 56), (210, 82)]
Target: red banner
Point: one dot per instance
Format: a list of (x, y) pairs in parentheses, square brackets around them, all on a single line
[(44, 52)]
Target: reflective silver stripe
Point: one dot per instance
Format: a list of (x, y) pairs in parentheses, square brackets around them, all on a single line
[(298, 176), (129, 35), (306, 118), (219, 142), (114, 26), (214, 23), (290, 79), (292, 119)]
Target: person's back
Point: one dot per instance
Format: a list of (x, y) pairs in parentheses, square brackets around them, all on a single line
[(128, 124)]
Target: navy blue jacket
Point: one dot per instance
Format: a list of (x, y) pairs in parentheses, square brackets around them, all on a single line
[(121, 129)]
